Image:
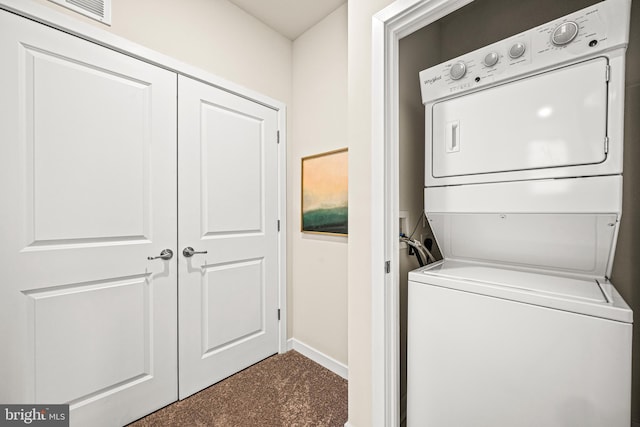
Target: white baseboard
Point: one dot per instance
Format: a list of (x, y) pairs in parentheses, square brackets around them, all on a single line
[(319, 357), (348, 424)]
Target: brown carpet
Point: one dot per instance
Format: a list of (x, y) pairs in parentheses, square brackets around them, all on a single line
[(286, 390)]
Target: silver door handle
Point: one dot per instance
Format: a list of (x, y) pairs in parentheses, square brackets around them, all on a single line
[(189, 252), (166, 254)]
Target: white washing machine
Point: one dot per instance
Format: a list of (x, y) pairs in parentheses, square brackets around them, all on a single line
[(519, 324)]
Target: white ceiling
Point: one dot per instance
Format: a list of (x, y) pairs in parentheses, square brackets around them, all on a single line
[(289, 17)]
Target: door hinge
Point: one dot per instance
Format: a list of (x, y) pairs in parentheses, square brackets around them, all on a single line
[(278, 225), (607, 73), (278, 314), (606, 145), (278, 136), (387, 267)]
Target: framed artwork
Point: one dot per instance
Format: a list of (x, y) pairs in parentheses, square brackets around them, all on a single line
[(325, 186)]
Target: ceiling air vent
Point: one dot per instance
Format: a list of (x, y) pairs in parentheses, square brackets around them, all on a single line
[(100, 10)]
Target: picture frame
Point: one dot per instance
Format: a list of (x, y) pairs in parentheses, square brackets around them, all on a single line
[(325, 189)]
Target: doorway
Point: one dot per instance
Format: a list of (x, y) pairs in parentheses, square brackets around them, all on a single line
[(407, 39)]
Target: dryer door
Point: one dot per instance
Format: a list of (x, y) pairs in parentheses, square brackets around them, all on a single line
[(554, 119)]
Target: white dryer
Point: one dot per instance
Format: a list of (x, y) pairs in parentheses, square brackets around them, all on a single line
[(519, 324)]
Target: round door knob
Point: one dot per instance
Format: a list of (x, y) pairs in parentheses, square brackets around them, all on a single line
[(491, 59), (458, 70), (564, 33)]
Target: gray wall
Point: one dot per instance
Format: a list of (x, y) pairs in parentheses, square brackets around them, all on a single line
[(626, 268), (471, 27)]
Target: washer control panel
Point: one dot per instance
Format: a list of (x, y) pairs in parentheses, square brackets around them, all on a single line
[(589, 31)]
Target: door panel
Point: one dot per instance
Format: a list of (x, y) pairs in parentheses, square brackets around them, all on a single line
[(120, 349), (233, 303), (235, 159), (554, 119), (109, 201), (228, 203), (88, 148)]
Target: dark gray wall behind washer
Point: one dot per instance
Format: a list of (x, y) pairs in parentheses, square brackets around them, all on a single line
[(483, 22)]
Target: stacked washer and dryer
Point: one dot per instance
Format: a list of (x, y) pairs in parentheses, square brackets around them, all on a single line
[(519, 324)]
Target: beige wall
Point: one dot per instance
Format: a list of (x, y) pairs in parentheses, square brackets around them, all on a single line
[(318, 293), (214, 35), (485, 19), (359, 89)]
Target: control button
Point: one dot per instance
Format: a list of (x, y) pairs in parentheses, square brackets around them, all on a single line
[(491, 59), (517, 50), (458, 70), (564, 33)]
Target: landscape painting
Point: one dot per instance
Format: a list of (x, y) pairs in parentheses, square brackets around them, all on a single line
[(325, 193)]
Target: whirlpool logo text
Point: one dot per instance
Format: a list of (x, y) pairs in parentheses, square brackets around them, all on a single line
[(432, 80)]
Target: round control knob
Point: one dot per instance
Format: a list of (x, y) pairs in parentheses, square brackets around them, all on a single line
[(491, 59), (517, 50), (458, 70), (564, 33)]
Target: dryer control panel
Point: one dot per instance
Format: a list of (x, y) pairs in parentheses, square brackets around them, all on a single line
[(598, 28)]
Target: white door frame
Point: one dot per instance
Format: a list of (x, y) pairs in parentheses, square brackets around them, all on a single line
[(57, 20), (396, 21)]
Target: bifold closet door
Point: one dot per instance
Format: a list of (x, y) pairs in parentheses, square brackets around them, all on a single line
[(228, 205), (88, 192)]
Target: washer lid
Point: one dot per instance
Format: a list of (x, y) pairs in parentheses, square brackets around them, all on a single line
[(568, 244), (562, 226), (583, 296), (535, 282)]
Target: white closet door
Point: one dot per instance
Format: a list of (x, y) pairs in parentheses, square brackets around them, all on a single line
[(228, 204), (88, 192)]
